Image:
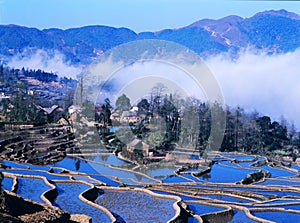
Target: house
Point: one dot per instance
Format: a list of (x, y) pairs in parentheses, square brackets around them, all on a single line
[(115, 117), (48, 110), (134, 109), (3, 96), (137, 144), (90, 124), (50, 114), (74, 109), (130, 116), (63, 121), (73, 117)]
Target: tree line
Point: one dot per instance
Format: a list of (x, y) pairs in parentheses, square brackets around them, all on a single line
[(188, 123)]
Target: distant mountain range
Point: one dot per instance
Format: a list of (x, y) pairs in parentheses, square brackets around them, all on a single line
[(270, 31)]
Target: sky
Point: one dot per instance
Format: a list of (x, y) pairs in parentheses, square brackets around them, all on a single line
[(138, 15)]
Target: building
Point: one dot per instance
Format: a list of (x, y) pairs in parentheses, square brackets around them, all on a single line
[(137, 144), (130, 116), (74, 109), (50, 114), (115, 117)]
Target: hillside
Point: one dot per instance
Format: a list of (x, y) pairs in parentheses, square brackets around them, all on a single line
[(271, 31)]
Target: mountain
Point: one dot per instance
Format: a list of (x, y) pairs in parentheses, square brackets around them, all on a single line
[(270, 31)]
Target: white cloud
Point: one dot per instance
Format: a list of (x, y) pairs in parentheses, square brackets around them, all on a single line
[(268, 83), (52, 61)]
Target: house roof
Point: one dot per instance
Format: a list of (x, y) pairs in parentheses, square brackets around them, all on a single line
[(74, 108), (115, 114), (129, 114), (63, 121), (72, 117), (48, 110)]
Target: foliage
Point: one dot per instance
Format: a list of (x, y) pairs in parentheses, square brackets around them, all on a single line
[(123, 103), (88, 109), (103, 113), (190, 126), (154, 137), (160, 125), (169, 112), (143, 106)]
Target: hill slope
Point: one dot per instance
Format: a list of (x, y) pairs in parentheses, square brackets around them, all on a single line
[(271, 31)]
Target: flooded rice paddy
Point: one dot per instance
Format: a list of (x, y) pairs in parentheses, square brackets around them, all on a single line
[(216, 188)]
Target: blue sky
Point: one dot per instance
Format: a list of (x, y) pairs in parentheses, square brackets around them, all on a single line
[(138, 15)]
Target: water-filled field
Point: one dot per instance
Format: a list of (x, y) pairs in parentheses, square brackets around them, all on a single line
[(220, 185), (32, 188), (7, 183), (201, 209), (278, 217), (136, 206), (68, 200)]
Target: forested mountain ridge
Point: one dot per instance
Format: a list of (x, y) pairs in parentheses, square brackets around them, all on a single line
[(270, 31)]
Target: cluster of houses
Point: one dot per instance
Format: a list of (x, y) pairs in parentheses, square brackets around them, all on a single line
[(51, 95), (130, 116), (136, 149)]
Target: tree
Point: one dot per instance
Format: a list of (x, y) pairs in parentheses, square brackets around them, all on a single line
[(279, 136), (107, 112), (103, 113), (22, 106), (294, 157), (194, 123), (264, 124), (88, 109), (204, 116), (123, 103), (292, 133), (156, 96), (172, 119), (251, 141), (143, 106), (154, 137)]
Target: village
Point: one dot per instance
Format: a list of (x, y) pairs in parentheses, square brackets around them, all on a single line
[(142, 135), (153, 129)]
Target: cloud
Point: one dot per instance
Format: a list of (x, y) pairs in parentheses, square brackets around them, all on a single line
[(138, 79), (269, 84), (49, 61)]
